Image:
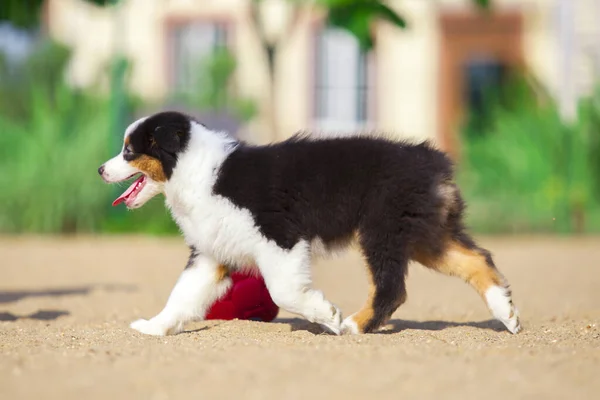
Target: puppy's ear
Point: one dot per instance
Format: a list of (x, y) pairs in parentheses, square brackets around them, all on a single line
[(167, 139)]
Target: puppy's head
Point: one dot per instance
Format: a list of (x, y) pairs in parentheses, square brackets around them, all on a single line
[(150, 149)]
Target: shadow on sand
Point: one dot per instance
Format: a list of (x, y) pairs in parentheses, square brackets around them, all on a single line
[(41, 315), (398, 325), (10, 296)]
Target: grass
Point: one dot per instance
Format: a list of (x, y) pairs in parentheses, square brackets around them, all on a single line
[(54, 138), (49, 161), (531, 172)]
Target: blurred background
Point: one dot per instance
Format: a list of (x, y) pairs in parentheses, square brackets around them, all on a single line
[(509, 88)]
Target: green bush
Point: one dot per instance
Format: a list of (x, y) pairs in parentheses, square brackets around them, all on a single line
[(531, 172), (42, 72), (53, 139), (49, 161)]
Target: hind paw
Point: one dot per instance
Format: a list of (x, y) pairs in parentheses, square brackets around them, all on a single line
[(500, 304)]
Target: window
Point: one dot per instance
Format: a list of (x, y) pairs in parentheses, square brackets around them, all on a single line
[(343, 90), (484, 78), (191, 43)]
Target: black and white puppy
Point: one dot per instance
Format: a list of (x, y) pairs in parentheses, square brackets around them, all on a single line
[(278, 206)]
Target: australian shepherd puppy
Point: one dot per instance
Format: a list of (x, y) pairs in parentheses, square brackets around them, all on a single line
[(278, 206)]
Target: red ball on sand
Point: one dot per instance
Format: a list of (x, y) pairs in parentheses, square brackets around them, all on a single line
[(247, 298)]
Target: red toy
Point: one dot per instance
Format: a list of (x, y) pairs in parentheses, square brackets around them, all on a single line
[(248, 298)]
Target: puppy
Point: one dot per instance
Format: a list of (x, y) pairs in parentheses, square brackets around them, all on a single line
[(280, 205)]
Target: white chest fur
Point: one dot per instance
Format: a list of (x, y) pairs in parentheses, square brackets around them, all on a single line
[(210, 223)]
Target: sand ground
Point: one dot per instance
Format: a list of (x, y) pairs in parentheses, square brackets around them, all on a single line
[(65, 306)]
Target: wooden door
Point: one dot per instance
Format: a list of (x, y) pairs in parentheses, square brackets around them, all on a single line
[(467, 38)]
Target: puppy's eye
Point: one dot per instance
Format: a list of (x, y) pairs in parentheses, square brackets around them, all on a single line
[(128, 149)]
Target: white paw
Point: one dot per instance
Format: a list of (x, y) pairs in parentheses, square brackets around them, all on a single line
[(149, 327), (513, 324), (335, 321), (501, 306), (317, 309), (349, 327)]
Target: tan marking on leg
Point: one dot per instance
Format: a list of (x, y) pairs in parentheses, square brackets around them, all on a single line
[(366, 313), (362, 317), (222, 272), (463, 263), (475, 267), (150, 166)]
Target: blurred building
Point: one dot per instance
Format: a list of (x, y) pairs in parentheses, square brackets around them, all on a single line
[(416, 83)]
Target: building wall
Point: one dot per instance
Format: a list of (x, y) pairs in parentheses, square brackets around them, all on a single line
[(411, 59), (407, 61)]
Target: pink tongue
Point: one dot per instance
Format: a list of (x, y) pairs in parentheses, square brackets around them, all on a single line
[(126, 193)]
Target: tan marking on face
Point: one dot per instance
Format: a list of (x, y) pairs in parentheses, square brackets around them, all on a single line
[(222, 272), (126, 141), (150, 166), (463, 263)]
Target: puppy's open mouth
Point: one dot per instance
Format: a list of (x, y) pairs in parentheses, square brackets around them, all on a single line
[(132, 191)]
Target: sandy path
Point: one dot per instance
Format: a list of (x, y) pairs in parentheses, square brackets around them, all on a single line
[(65, 306)]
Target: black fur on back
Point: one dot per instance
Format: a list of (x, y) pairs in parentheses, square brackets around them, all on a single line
[(306, 188)]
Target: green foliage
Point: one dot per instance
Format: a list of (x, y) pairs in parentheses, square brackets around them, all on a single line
[(43, 69), (357, 17), (103, 3), (589, 125), (48, 161), (53, 139), (21, 13), (45, 187), (50, 145), (26, 13), (485, 4), (530, 172)]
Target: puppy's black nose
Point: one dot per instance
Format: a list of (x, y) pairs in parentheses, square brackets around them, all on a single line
[(101, 170)]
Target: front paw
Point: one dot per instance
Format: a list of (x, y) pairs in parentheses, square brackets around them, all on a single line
[(149, 327)]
